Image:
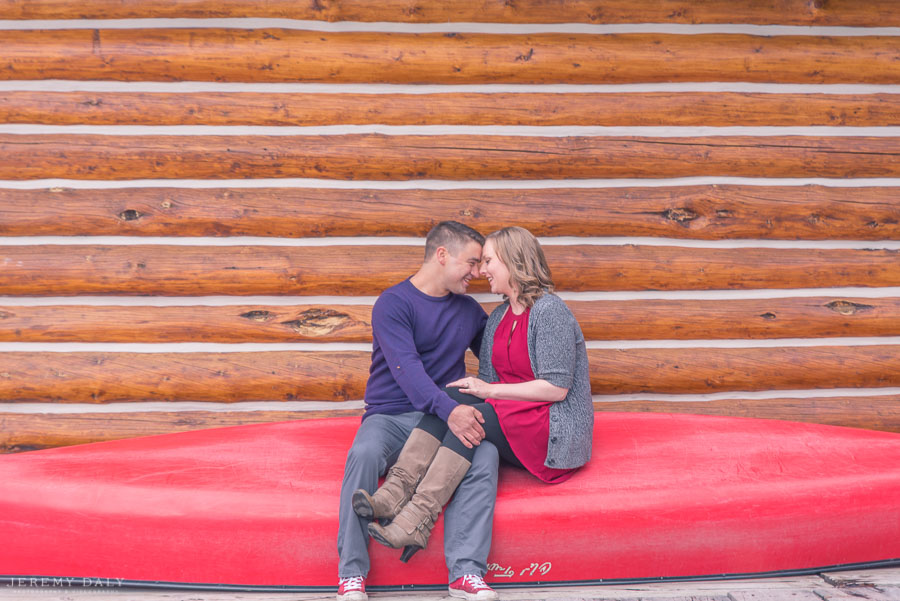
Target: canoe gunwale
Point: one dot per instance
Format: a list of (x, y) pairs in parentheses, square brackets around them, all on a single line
[(8, 580)]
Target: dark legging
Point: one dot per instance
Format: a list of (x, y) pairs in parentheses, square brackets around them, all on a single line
[(492, 431)]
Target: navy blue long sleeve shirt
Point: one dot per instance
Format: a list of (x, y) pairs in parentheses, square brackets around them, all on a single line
[(420, 343)]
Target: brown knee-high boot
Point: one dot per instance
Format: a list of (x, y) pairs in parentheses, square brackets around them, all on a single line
[(401, 481), (412, 526)]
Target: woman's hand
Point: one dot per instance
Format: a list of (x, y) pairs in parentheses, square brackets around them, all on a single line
[(473, 386)]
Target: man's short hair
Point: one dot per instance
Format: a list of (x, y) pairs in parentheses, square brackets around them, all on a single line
[(452, 235)]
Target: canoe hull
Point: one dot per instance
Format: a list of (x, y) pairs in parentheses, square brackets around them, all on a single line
[(665, 496)]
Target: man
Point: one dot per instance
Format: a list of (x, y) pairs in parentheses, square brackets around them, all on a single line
[(421, 329)]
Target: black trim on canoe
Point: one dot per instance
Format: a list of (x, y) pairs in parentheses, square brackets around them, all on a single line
[(98, 583)]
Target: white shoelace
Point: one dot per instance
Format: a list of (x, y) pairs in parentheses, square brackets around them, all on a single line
[(352, 583)]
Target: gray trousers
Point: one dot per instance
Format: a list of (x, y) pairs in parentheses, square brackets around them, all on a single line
[(468, 517)]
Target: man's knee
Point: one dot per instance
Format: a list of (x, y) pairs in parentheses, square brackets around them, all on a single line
[(366, 455)]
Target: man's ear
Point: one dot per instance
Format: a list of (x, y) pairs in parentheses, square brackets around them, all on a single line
[(441, 255)]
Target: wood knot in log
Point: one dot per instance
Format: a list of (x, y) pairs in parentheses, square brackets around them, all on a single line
[(318, 322), (524, 58), (680, 215), (848, 308), (130, 215), (769, 316), (257, 315)]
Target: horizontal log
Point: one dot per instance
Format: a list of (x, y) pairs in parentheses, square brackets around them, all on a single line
[(642, 109), (872, 413), (871, 13), (218, 377), (59, 270), (456, 157), (288, 55), (230, 324), (709, 370), (341, 375), (702, 212), (32, 431), (816, 317), (201, 271), (813, 317)]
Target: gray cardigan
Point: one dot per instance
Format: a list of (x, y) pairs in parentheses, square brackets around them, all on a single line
[(558, 354)]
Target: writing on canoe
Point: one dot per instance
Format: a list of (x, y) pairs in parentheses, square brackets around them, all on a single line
[(498, 571)]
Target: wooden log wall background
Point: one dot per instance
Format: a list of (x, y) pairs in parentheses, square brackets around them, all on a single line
[(200, 200)]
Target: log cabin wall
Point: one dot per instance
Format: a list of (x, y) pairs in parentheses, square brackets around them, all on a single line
[(200, 200)]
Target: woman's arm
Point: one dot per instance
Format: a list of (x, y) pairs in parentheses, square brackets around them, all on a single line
[(538, 391)]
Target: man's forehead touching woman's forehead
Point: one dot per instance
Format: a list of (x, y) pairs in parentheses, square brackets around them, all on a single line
[(469, 252), (472, 250)]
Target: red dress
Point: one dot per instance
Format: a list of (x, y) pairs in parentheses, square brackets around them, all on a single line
[(525, 424)]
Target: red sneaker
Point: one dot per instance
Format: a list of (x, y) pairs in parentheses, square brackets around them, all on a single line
[(352, 589), (473, 588)]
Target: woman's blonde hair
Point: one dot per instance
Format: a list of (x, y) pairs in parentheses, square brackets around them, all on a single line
[(522, 254)]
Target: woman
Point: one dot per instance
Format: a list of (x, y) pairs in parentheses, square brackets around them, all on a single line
[(532, 389)]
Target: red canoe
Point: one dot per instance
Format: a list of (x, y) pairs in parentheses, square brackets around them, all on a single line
[(665, 496)]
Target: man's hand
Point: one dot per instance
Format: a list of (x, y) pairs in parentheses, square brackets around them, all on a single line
[(465, 422)]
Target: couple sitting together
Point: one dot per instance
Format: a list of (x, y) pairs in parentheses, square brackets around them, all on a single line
[(441, 432)]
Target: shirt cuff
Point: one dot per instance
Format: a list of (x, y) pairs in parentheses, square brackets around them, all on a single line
[(444, 406)]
